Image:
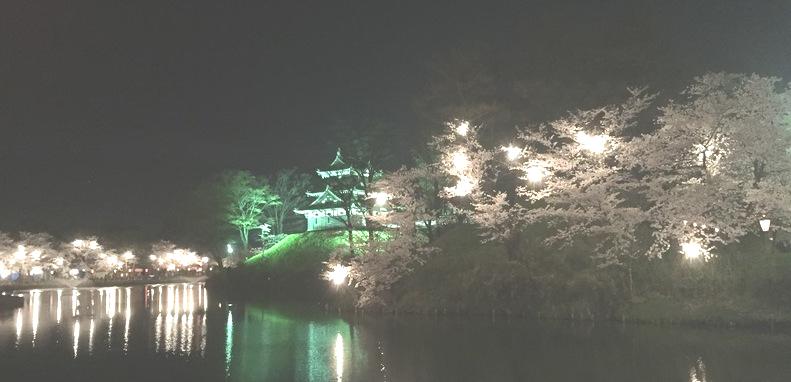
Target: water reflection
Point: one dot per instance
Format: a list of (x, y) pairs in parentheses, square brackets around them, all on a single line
[(167, 332), (697, 373), (106, 314), (228, 343), (279, 346)]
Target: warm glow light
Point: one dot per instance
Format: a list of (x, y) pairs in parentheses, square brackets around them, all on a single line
[(152, 257), (36, 254), (128, 256), (692, 250), (36, 271), (74, 272), (338, 355), (535, 173), (82, 244), (512, 152), (380, 198), (337, 274), (20, 253), (463, 187), (460, 160), (765, 223), (594, 143), (229, 248), (462, 128)]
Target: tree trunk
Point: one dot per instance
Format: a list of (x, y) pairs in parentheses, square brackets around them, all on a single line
[(281, 218), (429, 230), (243, 235), (369, 226), (350, 229)]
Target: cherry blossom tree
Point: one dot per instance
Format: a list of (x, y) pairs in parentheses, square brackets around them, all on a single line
[(405, 244), (718, 162)]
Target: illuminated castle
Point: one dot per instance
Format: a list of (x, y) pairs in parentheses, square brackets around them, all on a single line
[(327, 211)]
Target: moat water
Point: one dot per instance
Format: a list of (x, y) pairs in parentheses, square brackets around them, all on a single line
[(179, 332)]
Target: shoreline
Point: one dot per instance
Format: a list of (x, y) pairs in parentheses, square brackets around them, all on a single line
[(63, 283)]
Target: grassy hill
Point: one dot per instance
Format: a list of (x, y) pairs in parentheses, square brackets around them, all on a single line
[(291, 269), (300, 248), (305, 249)]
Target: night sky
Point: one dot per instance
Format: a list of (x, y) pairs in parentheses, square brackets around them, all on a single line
[(112, 111)]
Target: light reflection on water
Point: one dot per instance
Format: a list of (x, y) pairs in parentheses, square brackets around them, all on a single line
[(102, 317), (176, 332)]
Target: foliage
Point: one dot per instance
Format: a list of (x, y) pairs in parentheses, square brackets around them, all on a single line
[(290, 187), (248, 197), (404, 246), (718, 161)]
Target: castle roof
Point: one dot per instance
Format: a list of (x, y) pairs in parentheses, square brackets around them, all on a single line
[(338, 163)]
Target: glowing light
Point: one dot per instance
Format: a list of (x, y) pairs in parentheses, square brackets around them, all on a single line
[(4, 272), (460, 160), (337, 353), (535, 173), (228, 343), (59, 310), (152, 257), (36, 271), (462, 128), (512, 152), (36, 254), (692, 250), (74, 272), (59, 261), (91, 328), (380, 198), (35, 300), (229, 248), (337, 274), (75, 302), (463, 187), (83, 244), (765, 223), (596, 144), (177, 259), (18, 326), (113, 261), (76, 335), (128, 256), (128, 316), (20, 253)]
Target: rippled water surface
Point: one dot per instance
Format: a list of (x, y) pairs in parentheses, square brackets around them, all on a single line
[(178, 332)]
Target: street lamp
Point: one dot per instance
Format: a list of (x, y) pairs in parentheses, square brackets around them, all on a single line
[(229, 248), (460, 160), (692, 250), (535, 173), (512, 152), (596, 144), (462, 128), (765, 223), (337, 274)]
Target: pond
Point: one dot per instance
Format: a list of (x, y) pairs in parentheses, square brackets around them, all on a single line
[(178, 332)]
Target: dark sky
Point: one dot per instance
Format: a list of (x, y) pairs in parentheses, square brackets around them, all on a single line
[(111, 111)]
